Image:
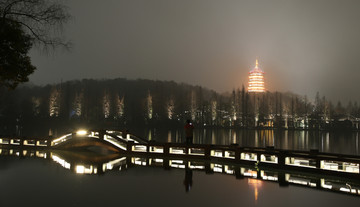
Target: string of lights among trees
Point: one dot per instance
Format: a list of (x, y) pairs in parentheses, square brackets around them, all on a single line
[(145, 102), (122, 102)]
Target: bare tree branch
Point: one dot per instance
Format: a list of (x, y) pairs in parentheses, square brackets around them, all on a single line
[(24, 24), (43, 20)]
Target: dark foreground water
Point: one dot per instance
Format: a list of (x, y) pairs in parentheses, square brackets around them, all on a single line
[(56, 181)]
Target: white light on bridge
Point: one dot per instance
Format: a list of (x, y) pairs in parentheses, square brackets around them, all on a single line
[(60, 139), (200, 167), (324, 185), (80, 169), (228, 170), (248, 172), (217, 168), (216, 153), (40, 154), (177, 163), (62, 162), (248, 156), (81, 132)]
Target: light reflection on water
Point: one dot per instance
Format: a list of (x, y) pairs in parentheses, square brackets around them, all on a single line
[(333, 142), (343, 143), (109, 179)]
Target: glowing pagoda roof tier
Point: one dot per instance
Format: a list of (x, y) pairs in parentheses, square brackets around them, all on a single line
[(256, 80)]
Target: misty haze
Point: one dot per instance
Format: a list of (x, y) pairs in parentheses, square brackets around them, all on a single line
[(179, 103)]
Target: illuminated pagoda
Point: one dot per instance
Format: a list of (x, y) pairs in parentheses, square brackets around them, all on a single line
[(256, 80)]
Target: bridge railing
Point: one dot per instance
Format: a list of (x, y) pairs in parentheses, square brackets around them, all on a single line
[(23, 142), (114, 140), (61, 139), (255, 174), (284, 178), (264, 156), (103, 135), (125, 137), (312, 159)]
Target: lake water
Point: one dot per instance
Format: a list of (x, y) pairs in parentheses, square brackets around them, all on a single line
[(343, 143), (67, 179), (333, 142)]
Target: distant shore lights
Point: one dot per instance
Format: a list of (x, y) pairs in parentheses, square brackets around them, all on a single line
[(256, 79)]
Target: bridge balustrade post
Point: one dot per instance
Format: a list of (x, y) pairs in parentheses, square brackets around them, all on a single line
[(166, 164), (258, 174), (281, 158), (72, 167), (166, 149), (318, 182), (48, 155), (237, 153), (238, 173), (258, 155), (101, 134), (48, 142), (208, 169), (314, 154), (99, 170), (129, 146), (128, 161), (282, 179), (318, 163), (207, 150), (21, 153)]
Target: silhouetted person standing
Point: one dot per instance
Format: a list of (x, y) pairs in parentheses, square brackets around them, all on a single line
[(189, 128)]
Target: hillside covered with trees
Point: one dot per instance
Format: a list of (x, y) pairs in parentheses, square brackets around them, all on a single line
[(119, 103)]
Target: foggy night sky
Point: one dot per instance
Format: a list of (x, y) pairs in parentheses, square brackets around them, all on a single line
[(304, 46)]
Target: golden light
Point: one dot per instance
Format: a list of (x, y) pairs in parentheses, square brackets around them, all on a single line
[(81, 132), (256, 184), (62, 162), (256, 79), (80, 169)]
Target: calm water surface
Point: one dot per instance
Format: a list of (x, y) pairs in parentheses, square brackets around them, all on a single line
[(333, 142), (344, 143), (34, 181)]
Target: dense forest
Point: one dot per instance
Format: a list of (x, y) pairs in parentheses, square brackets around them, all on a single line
[(120, 103)]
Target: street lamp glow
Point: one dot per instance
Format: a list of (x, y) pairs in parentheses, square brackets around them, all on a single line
[(81, 132)]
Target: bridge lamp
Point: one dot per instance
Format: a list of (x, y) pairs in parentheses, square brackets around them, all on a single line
[(81, 132), (80, 169)]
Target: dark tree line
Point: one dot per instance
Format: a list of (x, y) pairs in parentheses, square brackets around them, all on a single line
[(122, 102)]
